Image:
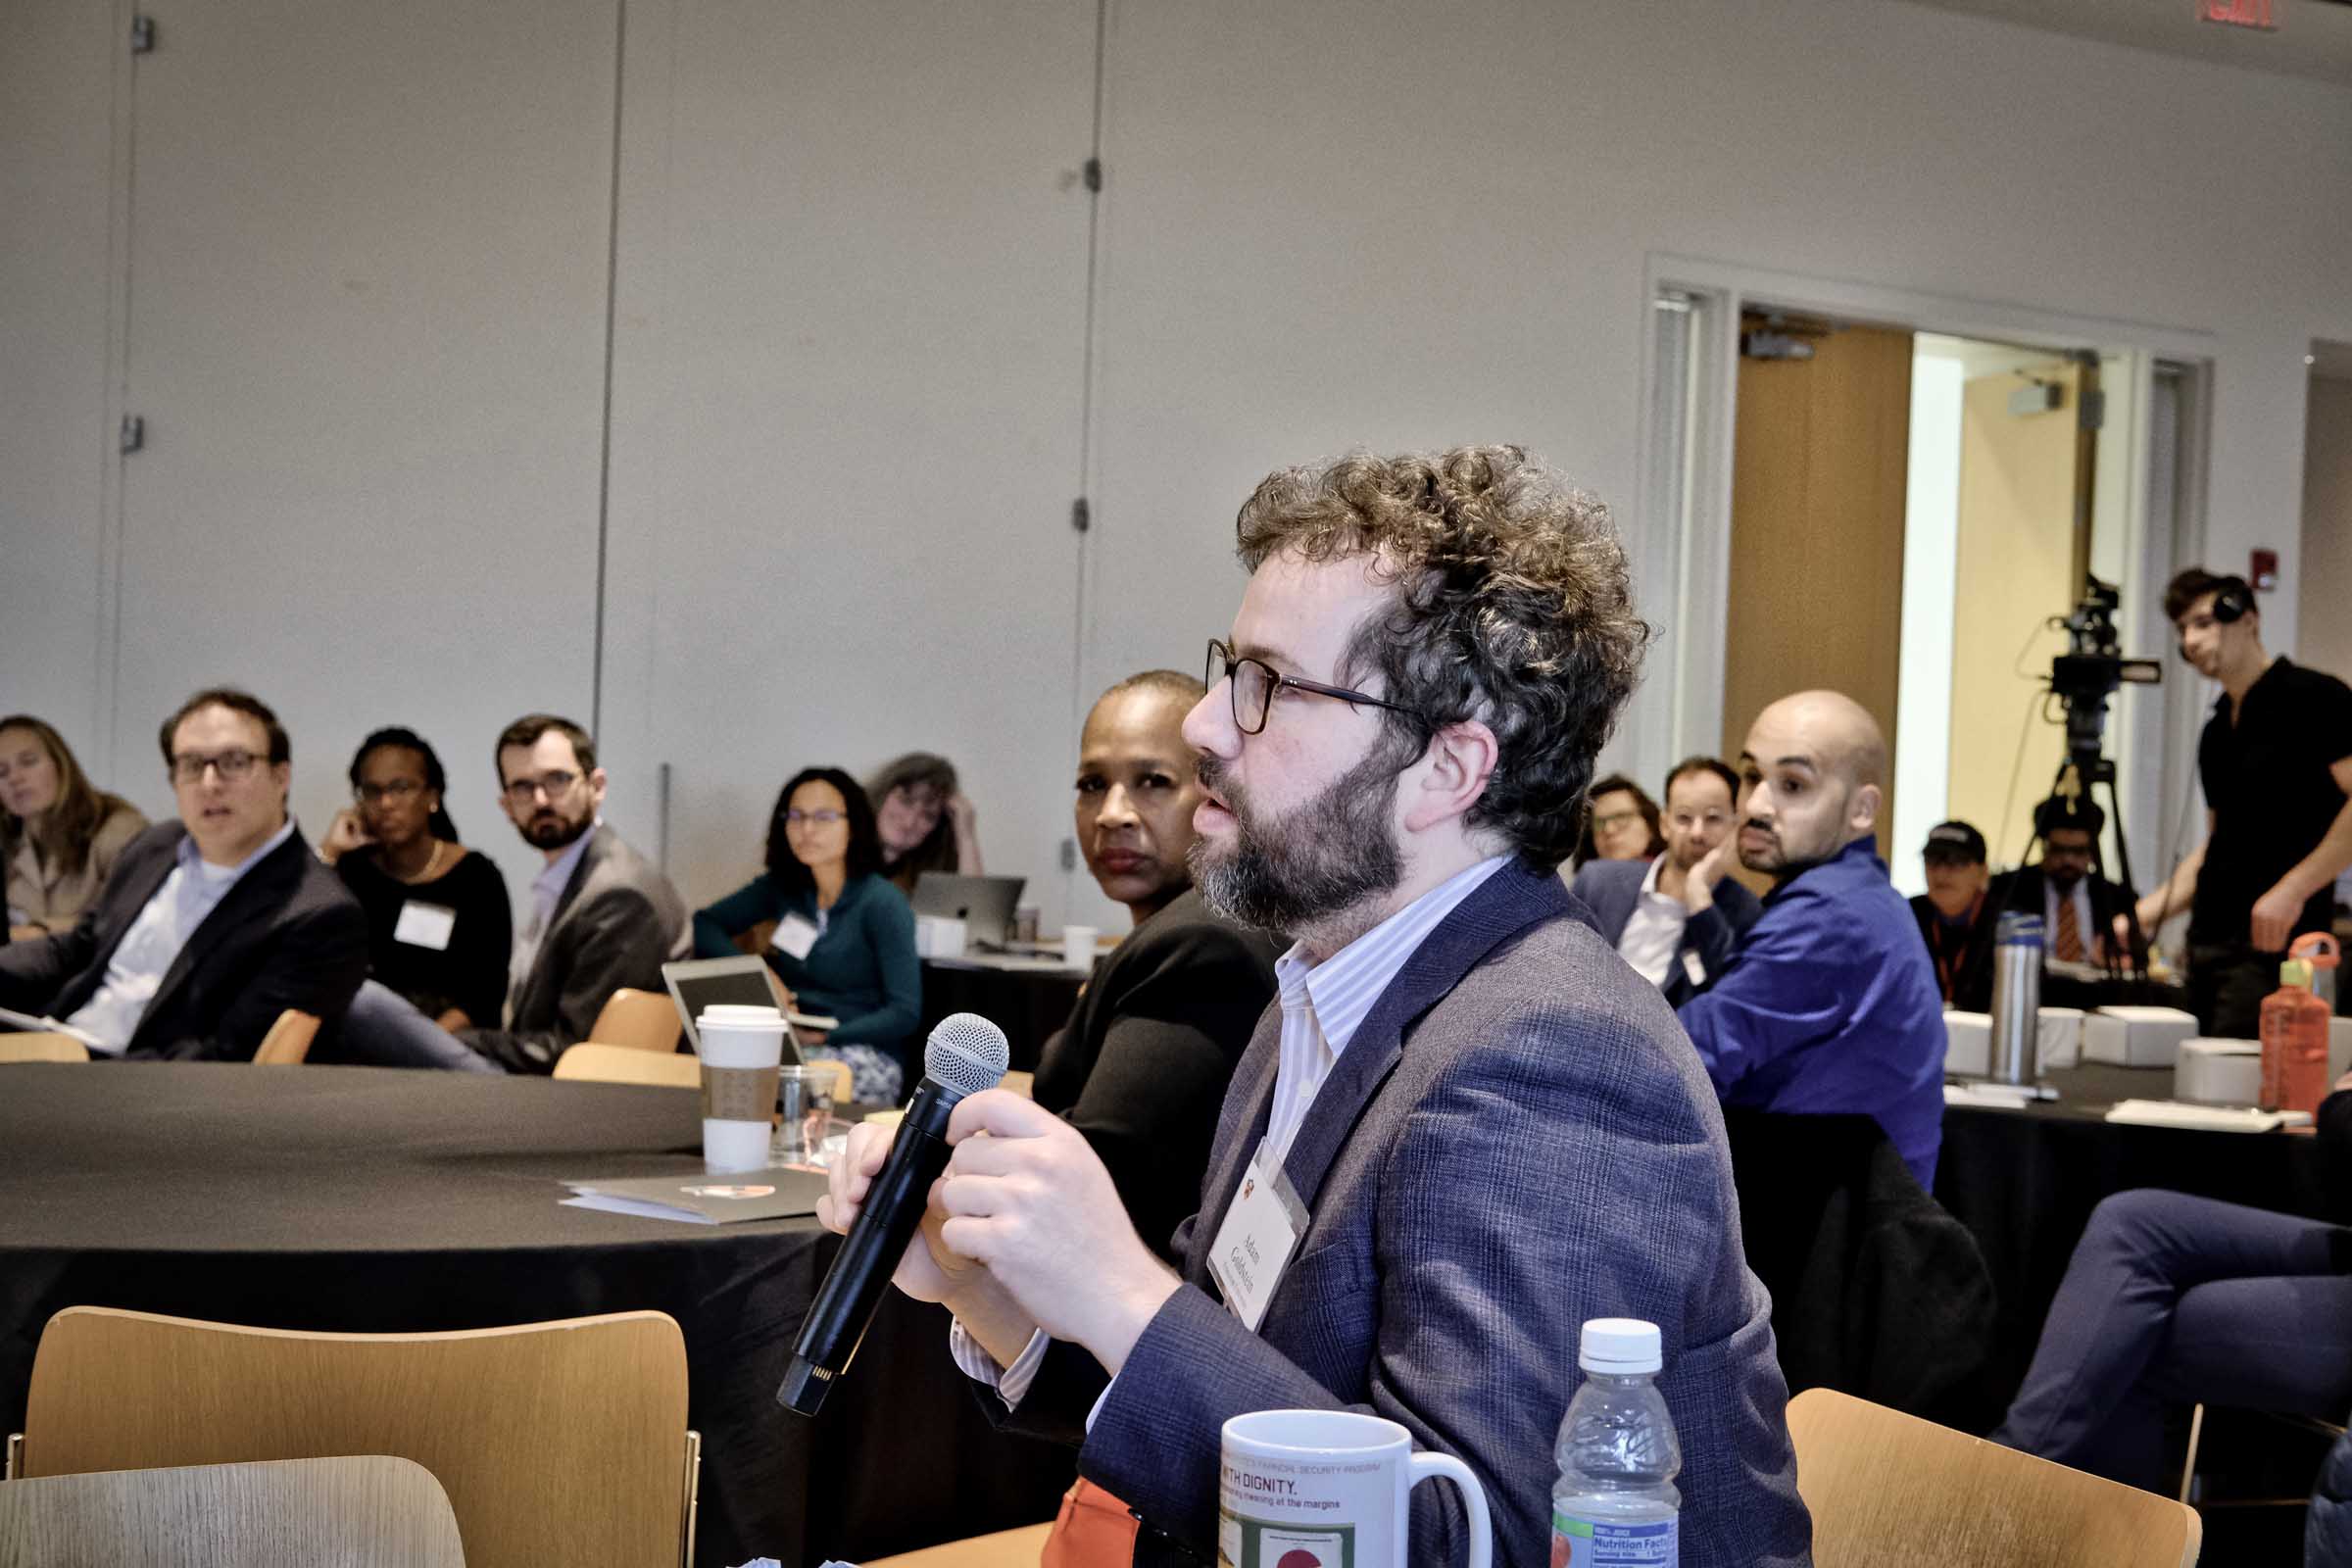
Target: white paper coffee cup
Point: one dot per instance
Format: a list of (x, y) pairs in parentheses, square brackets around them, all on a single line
[(742, 1048), (1078, 946)]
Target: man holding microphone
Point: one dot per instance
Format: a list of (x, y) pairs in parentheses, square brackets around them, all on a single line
[(1467, 1124), (2276, 761)]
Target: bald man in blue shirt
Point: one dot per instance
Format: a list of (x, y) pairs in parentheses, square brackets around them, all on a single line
[(1830, 1003)]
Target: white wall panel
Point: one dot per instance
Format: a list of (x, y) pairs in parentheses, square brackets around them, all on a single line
[(57, 63), (1332, 224), (367, 309), (846, 425)]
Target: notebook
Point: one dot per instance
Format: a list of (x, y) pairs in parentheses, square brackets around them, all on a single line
[(2209, 1118), (696, 1198)]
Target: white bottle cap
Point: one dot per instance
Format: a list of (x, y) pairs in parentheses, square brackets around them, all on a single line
[(1619, 1346)]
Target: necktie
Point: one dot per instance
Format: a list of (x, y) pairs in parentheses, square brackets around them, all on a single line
[(2070, 930)]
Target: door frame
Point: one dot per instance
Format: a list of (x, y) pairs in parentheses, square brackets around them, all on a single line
[(1683, 498)]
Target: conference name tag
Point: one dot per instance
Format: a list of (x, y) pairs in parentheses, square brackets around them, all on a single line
[(794, 937), (1255, 1242), (1691, 966), (425, 925)]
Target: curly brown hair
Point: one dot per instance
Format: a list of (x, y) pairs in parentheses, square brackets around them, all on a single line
[(1513, 607)]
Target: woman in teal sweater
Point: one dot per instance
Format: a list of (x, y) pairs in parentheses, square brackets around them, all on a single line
[(844, 941)]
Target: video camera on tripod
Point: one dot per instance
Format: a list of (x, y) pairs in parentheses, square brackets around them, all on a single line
[(2093, 668)]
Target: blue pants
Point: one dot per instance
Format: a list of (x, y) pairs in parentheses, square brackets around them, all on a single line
[(382, 1029), (2173, 1299)]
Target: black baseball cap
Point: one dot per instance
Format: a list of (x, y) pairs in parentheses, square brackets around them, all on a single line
[(1954, 843)]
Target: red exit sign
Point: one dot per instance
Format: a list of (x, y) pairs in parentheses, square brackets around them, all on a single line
[(2239, 14)]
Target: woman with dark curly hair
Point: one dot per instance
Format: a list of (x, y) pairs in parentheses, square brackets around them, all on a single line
[(844, 938), (58, 834)]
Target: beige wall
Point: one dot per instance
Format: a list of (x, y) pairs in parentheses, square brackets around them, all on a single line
[(2324, 639), (849, 250)]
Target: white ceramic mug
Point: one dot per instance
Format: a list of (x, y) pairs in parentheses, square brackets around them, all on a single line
[(1329, 1489), (742, 1048)]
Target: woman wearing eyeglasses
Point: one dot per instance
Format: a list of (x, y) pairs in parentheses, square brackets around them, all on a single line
[(439, 929), (844, 938), (58, 834)]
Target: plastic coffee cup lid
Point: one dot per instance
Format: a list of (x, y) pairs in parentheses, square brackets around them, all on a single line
[(1619, 1345), (739, 1016)]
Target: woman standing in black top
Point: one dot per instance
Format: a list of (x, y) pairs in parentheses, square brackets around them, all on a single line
[(438, 927)]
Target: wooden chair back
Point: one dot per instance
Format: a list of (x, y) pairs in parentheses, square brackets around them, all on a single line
[(844, 1082), (618, 1064), (1006, 1548), (288, 1042), (562, 1443), (369, 1512), (44, 1046), (1889, 1488), (641, 1020)]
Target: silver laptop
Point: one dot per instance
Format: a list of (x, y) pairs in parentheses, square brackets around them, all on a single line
[(984, 903), (695, 983)]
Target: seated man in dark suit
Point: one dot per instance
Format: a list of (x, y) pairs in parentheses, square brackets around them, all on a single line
[(1956, 918), (602, 916), (1141, 1067), (209, 927), (2078, 907), (1675, 918), (1466, 1127)]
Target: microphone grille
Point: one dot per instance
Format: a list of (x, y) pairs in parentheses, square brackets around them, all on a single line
[(967, 1053)]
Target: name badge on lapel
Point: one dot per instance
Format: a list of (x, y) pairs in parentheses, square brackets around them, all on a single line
[(794, 936), (1254, 1244), (1693, 967), (425, 925)]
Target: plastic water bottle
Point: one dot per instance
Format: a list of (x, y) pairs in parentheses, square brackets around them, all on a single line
[(1615, 1505)]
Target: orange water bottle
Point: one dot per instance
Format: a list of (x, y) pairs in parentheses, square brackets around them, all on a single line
[(2294, 1043)]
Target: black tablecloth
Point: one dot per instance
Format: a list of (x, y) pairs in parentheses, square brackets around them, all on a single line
[(2025, 1182), (1028, 1005), (371, 1201)]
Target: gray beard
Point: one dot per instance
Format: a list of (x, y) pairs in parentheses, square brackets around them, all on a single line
[(1310, 868)]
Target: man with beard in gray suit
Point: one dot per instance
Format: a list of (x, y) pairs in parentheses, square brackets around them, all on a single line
[(1492, 1128), (602, 916)]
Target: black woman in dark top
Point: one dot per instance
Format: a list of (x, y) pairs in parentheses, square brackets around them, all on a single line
[(439, 931), (1141, 1067)]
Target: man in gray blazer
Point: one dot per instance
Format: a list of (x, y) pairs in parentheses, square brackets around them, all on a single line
[(602, 917), (1677, 917), (1493, 1130)]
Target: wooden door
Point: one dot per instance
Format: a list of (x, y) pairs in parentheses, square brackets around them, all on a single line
[(1820, 456), (2020, 549)]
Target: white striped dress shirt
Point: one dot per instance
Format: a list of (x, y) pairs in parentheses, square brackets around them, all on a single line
[(1322, 1007)]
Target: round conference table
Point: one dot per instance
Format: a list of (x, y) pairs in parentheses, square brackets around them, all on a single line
[(376, 1200)]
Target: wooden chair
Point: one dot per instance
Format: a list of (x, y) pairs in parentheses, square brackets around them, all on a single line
[(2192, 1492), (618, 1064), (1006, 1548), (845, 1082), (288, 1042), (1889, 1488), (1023, 1084), (367, 1512), (44, 1046), (557, 1443), (641, 1020)]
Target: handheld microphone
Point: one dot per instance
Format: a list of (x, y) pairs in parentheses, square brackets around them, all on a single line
[(964, 1055)]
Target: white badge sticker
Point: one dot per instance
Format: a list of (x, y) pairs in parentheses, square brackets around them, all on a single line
[(1696, 970), (425, 925), (794, 936), (1255, 1242)]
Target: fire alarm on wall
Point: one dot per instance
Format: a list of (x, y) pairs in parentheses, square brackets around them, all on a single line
[(2263, 572)]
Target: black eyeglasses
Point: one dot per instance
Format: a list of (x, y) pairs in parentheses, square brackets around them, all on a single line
[(1254, 682), (556, 785)]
